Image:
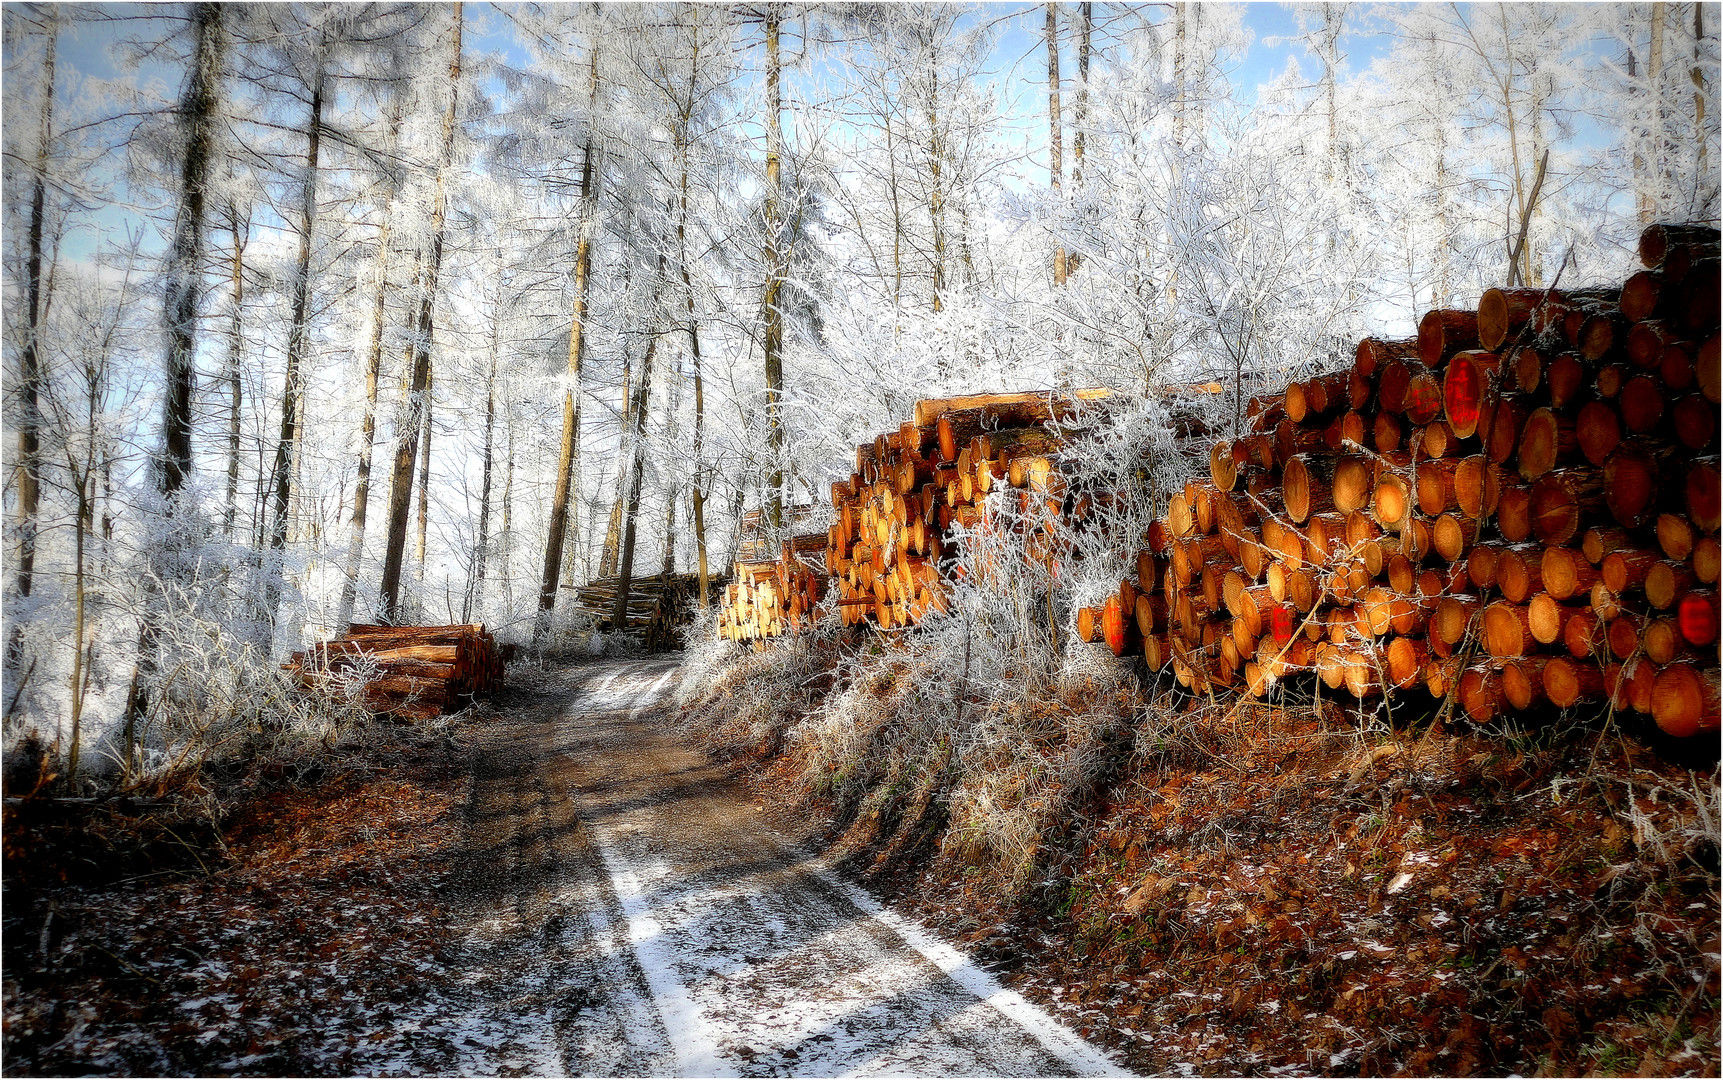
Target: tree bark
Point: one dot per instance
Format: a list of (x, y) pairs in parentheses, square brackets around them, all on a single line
[(481, 552), (235, 357), (612, 549), (1056, 154), (373, 374), (401, 485), (1179, 49), (506, 536), (936, 190), (185, 254), (29, 419), (424, 515), (286, 444), (1654, 74), (1080, 138), (182, 292), (672, 405), (568, 458), (1698, 77), (619, 618), (774, 258), (697, 494)]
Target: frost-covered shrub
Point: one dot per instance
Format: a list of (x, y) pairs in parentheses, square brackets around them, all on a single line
[(735, 700), (572, 633), (991, 722), (1001, 749)]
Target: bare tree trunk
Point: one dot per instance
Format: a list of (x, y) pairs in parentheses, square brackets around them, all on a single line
[(775, 259), (185, 256), (425, 429), (373, 375), (1333, 20), (417, 600), (286, 445), (672, 406), (637, 425), (612, 549), (608, 556), (1654, 75), (235, 358), (506, 537), (29, 383), (401, 480), (182, 291), (1055, 132), (566, 486), (1333, 16), (481, 552), (698, 493), (76, 687), (936, 193), (1543, 89), (1079, 140), (1698, 77), (670, 500), (1179, 49)]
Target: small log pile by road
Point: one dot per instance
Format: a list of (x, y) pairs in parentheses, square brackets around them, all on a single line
[(411, 672), (1518, 508)]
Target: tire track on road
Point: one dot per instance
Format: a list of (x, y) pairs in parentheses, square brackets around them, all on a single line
[(761, 960)]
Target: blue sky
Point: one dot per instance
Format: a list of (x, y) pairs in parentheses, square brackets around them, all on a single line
[(1018, 61), (1274, 29)]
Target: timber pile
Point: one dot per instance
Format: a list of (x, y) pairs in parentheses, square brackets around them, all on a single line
[(417, 671), (1520, 507), (754, 540), (770, 598), (659, 606), (890, 546)]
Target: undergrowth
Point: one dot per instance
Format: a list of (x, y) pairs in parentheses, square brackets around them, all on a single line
[(935, 738)]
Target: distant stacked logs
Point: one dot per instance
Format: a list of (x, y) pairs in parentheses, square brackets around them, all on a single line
[(658, 606), (771, 598), (417, 672), (1520, 505), (756, 542), (889, 547)]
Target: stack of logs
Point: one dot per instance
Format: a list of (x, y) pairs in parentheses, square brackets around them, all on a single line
[(658, 606), (1518, 508), (889, 546), (412, 672), (771, 597)]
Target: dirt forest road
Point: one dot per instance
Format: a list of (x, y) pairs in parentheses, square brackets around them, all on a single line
[(634, 913)]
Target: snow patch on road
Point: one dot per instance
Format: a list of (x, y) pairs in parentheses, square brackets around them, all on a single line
[(691, 1038), (1060, 1042), (651, 696), (759, 958)]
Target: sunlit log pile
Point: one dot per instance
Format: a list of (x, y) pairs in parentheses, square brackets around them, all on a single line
[(770, 598), (1520, 507), (409, 672), (890, 547)]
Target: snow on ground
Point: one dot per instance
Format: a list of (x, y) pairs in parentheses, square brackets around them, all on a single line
[(762, 962)]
